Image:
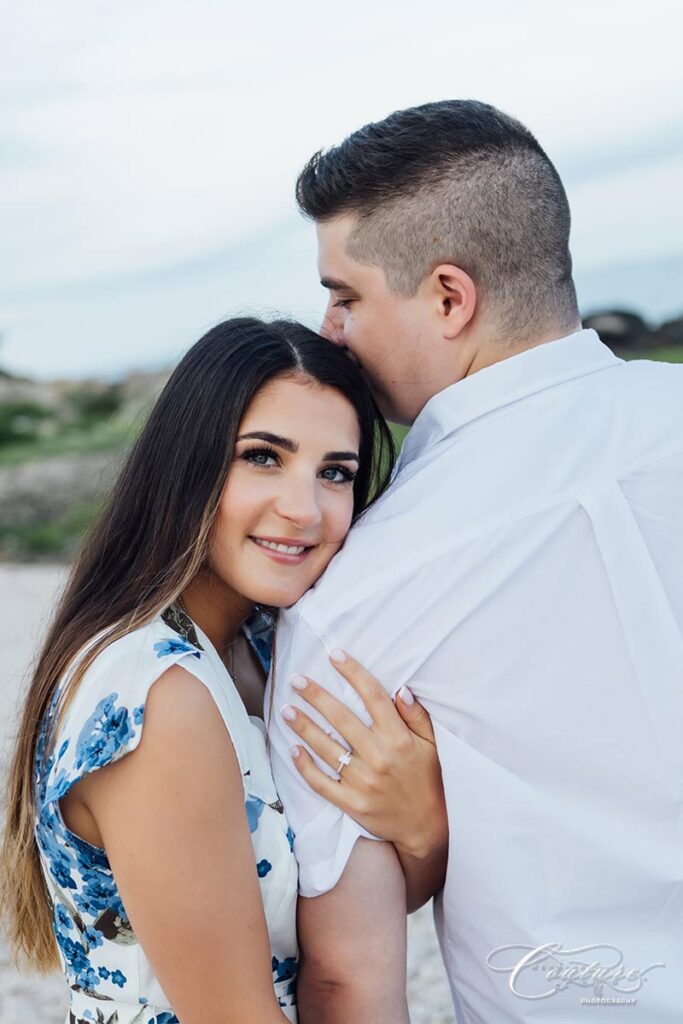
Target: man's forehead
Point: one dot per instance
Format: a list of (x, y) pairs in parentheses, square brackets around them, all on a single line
[(338, 270), (333, 260)]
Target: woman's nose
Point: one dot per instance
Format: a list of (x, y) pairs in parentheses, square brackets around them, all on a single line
[(298, 502)]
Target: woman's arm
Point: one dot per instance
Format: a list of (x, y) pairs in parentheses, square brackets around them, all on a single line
[(172, 819), (354, 941), (392, 785)]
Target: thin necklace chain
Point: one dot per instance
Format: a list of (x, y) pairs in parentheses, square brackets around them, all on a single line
[(228, 650)]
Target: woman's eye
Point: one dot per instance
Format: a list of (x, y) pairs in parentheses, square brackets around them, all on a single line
[(260, 457), (338, 474), (343, 303)]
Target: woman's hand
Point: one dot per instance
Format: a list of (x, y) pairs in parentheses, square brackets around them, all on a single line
[(392, 783)]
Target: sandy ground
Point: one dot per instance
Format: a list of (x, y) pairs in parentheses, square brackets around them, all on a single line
[(26, 594)]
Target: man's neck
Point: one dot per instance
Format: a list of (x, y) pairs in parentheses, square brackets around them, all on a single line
[(495, 350)]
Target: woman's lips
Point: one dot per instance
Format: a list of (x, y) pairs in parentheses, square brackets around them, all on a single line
[(272, 547)]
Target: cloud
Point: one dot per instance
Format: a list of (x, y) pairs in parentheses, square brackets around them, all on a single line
[(143, 137)]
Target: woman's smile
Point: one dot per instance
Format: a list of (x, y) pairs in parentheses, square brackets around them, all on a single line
[(283, 550)]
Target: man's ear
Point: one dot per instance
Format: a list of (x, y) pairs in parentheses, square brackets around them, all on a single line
[(457, 296)]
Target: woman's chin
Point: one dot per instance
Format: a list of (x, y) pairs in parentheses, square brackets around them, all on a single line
[(278, 597)]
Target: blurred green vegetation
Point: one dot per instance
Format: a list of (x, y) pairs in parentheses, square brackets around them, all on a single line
[(669, 354), (57, 538), (111, 435), (85, 420), (20, 422)]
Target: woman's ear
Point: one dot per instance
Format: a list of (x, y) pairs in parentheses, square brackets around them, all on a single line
[(457, 296)]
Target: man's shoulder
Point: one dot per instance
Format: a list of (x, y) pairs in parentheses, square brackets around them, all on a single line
[(650, 378), (647, 396)]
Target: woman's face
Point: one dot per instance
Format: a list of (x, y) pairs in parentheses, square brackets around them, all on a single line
[(288, 500)]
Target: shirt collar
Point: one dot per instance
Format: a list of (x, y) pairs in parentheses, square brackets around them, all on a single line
[(508, 381)]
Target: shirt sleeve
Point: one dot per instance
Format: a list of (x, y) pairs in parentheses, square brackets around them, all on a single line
[(324, 835)]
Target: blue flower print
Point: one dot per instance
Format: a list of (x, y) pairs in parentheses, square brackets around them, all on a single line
[(103, 972), (103, 735), (99, 893), (260, 629), (61, 860), (76, 958), (263, 867), (59, 787), (63, 921), (286, 970), (138, 713), (63, 749), (93, 937), (119, 978), (254, 808), (88, 978), (290, 839), (165, 1018), (166, 647)]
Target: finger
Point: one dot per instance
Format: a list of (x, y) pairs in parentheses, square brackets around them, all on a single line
[(327, 749), (377, 701), (414, 715), (344, 721), (331, 789)]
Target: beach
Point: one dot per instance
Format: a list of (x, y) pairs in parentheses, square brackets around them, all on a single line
[(27, 595)]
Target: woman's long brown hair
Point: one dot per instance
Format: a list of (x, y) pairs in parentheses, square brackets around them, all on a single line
[(149, 543)]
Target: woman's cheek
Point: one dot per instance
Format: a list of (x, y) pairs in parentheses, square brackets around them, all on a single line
[(339, 520)]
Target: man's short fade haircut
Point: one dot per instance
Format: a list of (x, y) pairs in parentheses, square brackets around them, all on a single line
[(455, 182)]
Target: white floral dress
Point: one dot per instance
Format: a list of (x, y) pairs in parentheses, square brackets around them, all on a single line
[(109, 977)]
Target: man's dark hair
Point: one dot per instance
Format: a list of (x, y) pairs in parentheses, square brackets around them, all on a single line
[(454, 182)]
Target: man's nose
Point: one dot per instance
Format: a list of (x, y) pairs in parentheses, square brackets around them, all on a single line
[(331, 327)]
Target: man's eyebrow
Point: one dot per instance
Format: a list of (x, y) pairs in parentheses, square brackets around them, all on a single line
[(275, 439), (334, 285)]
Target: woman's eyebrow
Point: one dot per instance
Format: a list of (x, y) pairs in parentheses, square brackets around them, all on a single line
[(262, 435), (292, 446), (344, 456)]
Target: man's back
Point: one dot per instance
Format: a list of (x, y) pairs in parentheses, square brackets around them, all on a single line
[(524, 576)]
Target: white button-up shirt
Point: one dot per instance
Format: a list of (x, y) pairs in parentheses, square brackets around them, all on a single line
[(524, 577)]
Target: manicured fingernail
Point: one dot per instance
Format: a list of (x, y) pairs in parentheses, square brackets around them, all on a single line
[(288, 713), (406, 696), (299, 682), (295, 752), (337, 655)]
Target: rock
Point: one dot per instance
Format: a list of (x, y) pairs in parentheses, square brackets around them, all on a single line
[(46, 488), (619, 329)]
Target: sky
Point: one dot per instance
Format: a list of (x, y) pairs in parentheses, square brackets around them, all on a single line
[(148, 152)]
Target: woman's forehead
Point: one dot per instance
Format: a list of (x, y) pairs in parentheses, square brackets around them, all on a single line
[(301, 409)]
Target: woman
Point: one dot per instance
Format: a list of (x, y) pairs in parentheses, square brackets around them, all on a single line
[(260, 452)]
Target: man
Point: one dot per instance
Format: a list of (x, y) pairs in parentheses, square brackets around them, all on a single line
[(523, 577)]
